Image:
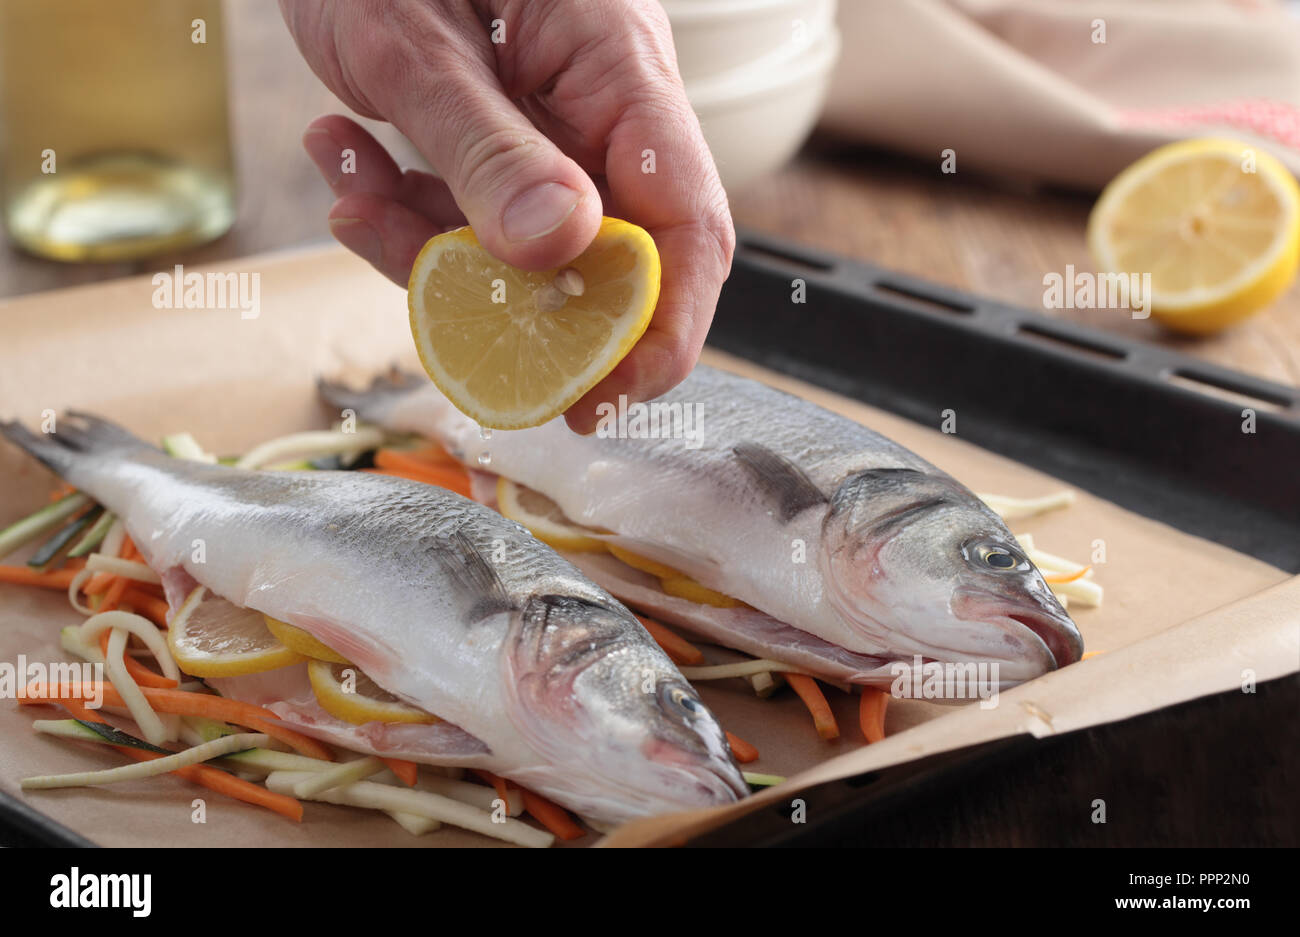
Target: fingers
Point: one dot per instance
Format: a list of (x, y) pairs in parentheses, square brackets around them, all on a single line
[(694, 265), (383, 214), (385, 233), (660, 175), (529, 204), (685, 210), (351, 160)]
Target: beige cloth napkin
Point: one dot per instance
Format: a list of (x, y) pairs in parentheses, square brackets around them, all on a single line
[(1026, 87)]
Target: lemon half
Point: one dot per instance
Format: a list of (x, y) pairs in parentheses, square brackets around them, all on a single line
[(514, 348), (1216, 223)]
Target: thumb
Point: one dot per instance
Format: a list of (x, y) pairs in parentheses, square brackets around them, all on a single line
[(528, 203)]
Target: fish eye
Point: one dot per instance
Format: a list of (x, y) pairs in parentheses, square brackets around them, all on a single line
[(684, 702), (995, 556)]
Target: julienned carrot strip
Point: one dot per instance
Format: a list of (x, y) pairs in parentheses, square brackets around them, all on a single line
[(457, 481), (151, 607), (674, 645), (871, 713), (214, 779), (498, 782), (410, 462), (97, 583), (61, 492), (113, 594), (744, 752), (141, 674), (812, 697), (184, 703), (406, 771), (1067, 577), (26, 576), (434, 454), (552, 816)]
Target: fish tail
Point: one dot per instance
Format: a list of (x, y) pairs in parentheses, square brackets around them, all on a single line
[(374, 402), (76, 437)]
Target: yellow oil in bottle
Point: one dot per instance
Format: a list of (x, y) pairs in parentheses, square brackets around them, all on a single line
[(114, 130)]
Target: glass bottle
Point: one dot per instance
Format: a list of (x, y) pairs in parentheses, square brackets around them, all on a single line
[(114, 129)]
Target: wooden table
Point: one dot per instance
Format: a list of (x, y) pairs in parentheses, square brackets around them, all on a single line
[(980, 234)]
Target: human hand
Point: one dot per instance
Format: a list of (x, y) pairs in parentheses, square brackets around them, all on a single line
[(533, 138)]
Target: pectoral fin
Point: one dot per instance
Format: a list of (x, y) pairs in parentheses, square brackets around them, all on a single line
[(478, 582), (785, 485)]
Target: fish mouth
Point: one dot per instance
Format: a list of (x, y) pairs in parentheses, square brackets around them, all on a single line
[(1036, 632), (714, 780), (1061, 637)]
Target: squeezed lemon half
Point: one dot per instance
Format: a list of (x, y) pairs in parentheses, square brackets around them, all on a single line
[(1216, 223), (515, 348)]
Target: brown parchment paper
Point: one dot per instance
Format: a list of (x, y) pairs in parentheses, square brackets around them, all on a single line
[(1182, 617)]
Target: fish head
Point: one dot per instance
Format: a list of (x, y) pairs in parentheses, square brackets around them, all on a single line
[(612, 716), (917, 565)]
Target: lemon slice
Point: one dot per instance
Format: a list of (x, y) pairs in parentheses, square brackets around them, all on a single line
[(645, 564), (300, 642), (346, 693), (686, 588), (1219, 240), (211, 637), (514, 348), (543, 518)]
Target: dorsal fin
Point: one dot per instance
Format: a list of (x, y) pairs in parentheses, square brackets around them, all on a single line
[(784, 484)]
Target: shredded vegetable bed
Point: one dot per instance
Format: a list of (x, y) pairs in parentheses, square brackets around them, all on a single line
[(170, 723)]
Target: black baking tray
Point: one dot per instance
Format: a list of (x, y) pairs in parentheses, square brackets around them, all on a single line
[(1155, 431), (1152, 430)]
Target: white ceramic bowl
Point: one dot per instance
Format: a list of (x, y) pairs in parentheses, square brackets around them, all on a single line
[(715, 36), (756, 117)]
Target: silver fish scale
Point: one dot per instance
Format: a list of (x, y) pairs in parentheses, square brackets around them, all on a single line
[(441, 601), (364, 516), (826, 445)]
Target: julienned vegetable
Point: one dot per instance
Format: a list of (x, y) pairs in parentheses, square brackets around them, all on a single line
[(43, 557), (418, 803), (185, 446), (148, 769), (871, 713), (183, 703), (22, 532), (94, 537), (318, 778), (311, 445), (205, 775), (337, 776), (742, 750), (815, 700), (94, 732), (742, 668)]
